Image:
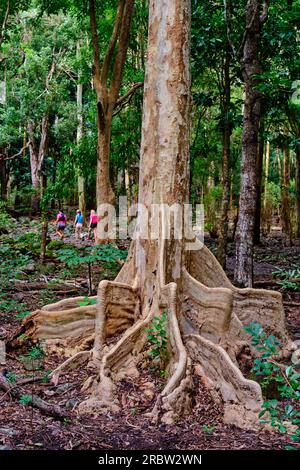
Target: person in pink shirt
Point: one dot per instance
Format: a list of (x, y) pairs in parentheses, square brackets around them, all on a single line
[(61, 222), (93, 224)]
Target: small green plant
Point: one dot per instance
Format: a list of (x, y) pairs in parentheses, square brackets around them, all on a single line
[(108, 254), (208, 429), (289, 280), (164, 373), (269, 370), (36, 352), (133, 411), (25, 399), (157, 337), (46, 376), (23, 314), (6, 220), (87, 301), (67, 421), (34, 359), (12, 262), (12, 306), (11, 377), (23, 338), (46, 296)]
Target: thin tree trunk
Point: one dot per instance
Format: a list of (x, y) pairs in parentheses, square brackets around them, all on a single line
[(251, 68), (298, 192), (107, 92), (81, 179), (259, 169), (44, 220), (34, 165), (4, 176), (267, 164), (37, 157), (285, 199), (33, 152), (222, 242), (104, 192)]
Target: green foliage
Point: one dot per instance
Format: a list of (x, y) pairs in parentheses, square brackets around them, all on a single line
[(290, 279), (13, 262), (8, 305), (34, 359), (47, 296), (5, 221), (208, 429), (267, 369), (36, 353), (87, 301), (25, 400), (273, 194), (158, 338), (46, 376), (105, 253), (11, 377)]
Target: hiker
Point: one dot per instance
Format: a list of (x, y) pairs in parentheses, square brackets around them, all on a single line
[(78, 224), (93, 225), (61, 221)]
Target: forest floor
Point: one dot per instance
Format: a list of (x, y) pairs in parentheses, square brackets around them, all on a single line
[(26, 287)]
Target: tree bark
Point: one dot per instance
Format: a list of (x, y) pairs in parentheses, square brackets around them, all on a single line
[(251, 67)]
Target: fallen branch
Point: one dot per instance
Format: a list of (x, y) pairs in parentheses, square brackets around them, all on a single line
[(266, 283), (37, 286), (37, 402)]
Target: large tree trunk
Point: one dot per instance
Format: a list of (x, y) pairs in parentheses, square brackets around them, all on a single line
[(164, 273), (251, 68), (226, 135)]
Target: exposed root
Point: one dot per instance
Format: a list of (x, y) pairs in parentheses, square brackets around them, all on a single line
[(206, 311), (64, 327), (118, 308), (175, 399), (242, 398), (206, 318), (118, 363), (249, 304), (78, 359)]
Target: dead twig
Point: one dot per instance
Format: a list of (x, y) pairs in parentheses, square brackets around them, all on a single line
[(36, 402)]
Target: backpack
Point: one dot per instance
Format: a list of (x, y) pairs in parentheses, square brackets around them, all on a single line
[(62, 218)]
